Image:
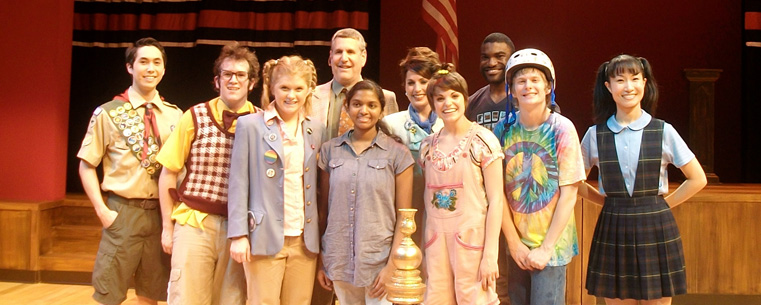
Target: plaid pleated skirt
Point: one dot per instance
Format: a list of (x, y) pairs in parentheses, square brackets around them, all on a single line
[(636, 251)]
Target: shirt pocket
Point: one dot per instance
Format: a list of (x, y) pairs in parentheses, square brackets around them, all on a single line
[(380, 173), (335, 163), (378, 164)]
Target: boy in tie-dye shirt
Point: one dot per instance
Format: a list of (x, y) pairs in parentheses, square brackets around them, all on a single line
[(543, 169)]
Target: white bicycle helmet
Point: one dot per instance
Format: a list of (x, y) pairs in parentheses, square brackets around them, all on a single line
[(528, 58), (533, 58)]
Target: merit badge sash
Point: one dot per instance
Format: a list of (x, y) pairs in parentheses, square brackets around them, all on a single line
[(131, 128)]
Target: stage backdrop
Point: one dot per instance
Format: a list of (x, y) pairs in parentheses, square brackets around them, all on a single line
[(193, 32)]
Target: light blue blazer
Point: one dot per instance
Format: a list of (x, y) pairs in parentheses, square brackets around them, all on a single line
[(252, 192)]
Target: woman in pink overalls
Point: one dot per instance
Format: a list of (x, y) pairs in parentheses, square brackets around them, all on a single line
[(463, 200)]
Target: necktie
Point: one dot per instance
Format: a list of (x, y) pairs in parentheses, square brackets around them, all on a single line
[(228, 117), (150, 133), (344, 123)]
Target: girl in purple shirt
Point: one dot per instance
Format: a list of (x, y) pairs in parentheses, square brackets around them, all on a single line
[(366, 175)]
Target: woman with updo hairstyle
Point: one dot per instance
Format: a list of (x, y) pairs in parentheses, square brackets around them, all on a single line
[(419, 121)]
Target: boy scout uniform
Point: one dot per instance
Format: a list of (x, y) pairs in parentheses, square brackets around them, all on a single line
[(122, 137)]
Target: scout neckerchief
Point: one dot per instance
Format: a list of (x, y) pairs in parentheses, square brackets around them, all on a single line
[(141, 134)]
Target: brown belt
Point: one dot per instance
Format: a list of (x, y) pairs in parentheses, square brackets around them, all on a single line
[(147, 204)]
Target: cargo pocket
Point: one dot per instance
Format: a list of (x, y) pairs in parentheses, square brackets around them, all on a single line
[(103, 272)]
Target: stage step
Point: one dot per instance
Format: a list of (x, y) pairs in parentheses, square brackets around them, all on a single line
[(78, 262), (76, 233)]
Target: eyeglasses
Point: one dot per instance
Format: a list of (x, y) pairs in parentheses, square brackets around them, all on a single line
[(228, 75)]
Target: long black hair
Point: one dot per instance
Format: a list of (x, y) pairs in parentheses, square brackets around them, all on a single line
[(603, 103)]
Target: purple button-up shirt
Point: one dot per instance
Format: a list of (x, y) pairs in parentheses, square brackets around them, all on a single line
[(361, 209)]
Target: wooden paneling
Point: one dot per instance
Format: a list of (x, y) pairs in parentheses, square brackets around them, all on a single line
[(576, 272), (23, 226), (586, 230), (15, 242), (45, 230), (720, 229)]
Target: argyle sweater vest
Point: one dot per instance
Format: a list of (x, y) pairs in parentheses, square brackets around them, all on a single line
[(208, 165)]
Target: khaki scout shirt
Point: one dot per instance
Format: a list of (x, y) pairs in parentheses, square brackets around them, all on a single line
[(122, 173)]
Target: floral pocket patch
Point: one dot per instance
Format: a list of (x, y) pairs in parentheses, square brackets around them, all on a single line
[(445, 199)]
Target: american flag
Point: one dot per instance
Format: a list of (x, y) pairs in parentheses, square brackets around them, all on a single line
[(441, 15)]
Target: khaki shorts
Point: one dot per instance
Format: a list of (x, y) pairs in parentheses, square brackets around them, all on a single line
[(131, 246)]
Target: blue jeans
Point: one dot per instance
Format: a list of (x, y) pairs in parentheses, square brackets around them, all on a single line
[(544, 287)]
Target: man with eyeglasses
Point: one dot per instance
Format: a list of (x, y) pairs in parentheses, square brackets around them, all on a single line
[(125, 134), (194, 213)]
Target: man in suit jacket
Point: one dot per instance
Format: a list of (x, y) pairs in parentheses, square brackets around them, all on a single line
[(348, 54)]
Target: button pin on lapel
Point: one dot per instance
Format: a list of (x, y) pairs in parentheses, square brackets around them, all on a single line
[(272, 137), (270, 156), (270, 173), (309, 130)]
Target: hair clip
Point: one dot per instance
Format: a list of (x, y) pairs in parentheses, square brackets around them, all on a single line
[(276, 61), (442, 72)]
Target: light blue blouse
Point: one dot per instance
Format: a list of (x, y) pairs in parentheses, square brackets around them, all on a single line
[(628, 140)]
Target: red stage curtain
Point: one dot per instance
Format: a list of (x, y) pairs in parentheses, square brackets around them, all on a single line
[(186, 23)]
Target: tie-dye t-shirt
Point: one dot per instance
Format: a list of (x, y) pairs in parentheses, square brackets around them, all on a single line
[(537, 163)]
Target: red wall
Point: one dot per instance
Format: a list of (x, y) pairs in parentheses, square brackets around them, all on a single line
[(36, 63), (580, 35)]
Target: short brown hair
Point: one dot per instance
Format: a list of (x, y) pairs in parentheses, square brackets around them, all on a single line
[(236, 52), (420, 60), (446, 79)]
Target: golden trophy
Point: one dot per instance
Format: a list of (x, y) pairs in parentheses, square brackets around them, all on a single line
[(406, 286)]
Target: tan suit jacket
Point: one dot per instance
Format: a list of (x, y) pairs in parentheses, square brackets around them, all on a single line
[(321, 104)]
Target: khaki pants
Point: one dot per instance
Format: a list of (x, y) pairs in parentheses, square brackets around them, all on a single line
[(202, 271), (285, 278), (350, 294)]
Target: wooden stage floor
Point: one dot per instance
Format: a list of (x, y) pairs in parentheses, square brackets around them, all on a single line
[(51, 294), (60, 294)]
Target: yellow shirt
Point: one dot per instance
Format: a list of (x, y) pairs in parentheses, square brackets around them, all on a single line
[(177, 148), (103, 142)]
